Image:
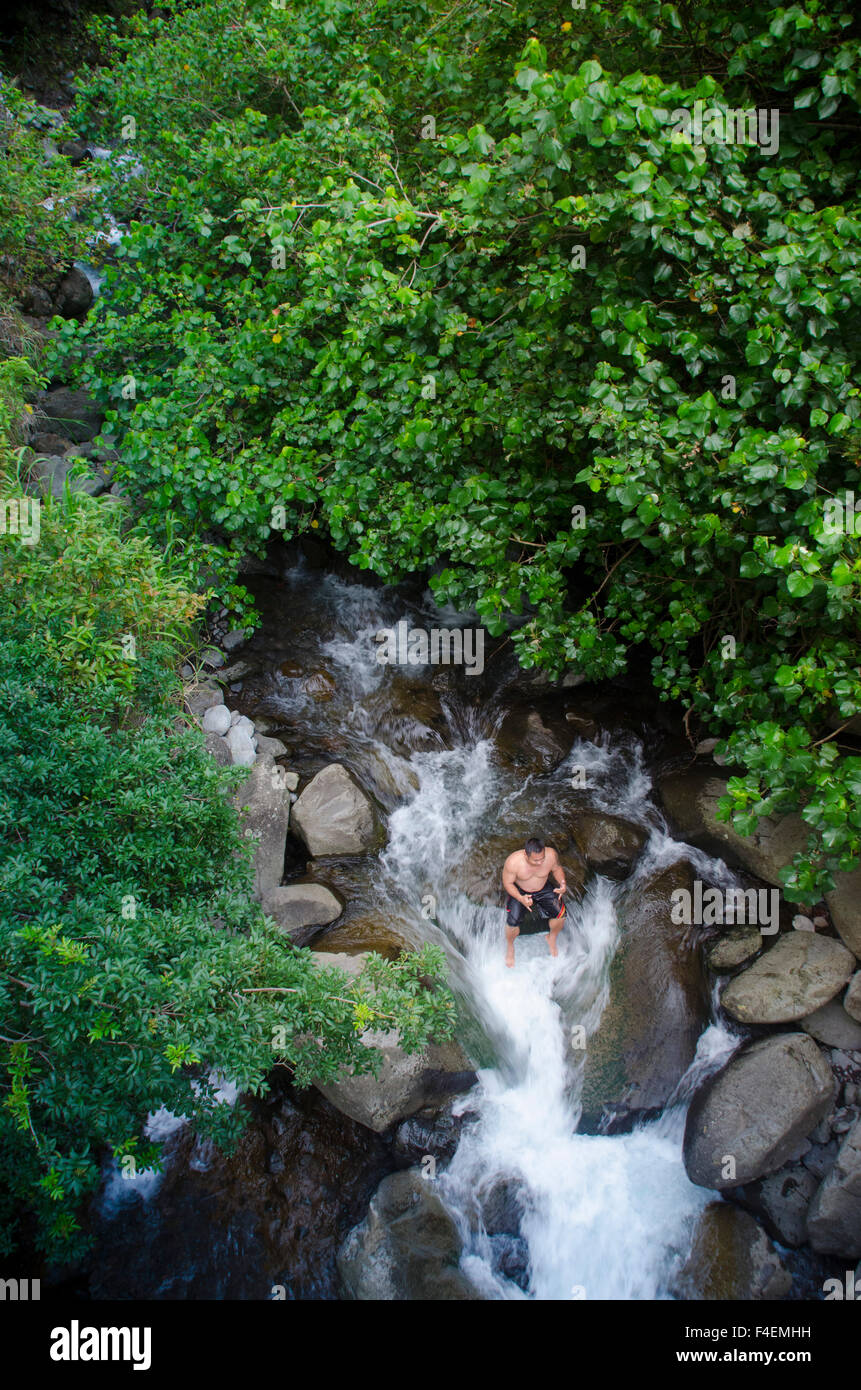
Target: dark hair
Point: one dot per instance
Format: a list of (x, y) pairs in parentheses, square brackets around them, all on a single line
[(534, 846)]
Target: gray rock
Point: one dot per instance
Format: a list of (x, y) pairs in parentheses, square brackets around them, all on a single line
[(212, 658), (782, 1200), (334, 816), (844, 904), (38, 302), (757, 1110), (201, 697), (834, 1219), (217, 747), (833, 1026), (265, 814), (232, 639), (732, 1258), (609, 844), (852, 998), (691, 800), (76, 151), (801, 972), (74, 414), (216, 719), (74, 297), (241, 748), (301, 909), (244, 725), (407, 1082), (821, 1158), (406, 1249), (275, 749), (51, 445), (735, 946)]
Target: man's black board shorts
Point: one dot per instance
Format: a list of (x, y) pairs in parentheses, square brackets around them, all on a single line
[(545, 905)]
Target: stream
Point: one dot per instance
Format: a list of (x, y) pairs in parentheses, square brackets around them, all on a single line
[(605, 1216)]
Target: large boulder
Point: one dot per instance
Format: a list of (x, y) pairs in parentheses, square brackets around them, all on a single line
[(302, 909), (73, 414), (731, 1258), (532, 740), (691, 800), (407, 1081), (608, 844), (407, 1247), (74, 294), (658, 1006), (797, 975), (757, 1111), (334, 816), (844, 904), (834, 1219), (265, 806), (834, 1027), (852, 997)]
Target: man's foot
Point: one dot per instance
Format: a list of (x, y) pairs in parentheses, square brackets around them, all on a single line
[(551, 944)]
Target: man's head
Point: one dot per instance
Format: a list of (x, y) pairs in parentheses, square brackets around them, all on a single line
[(534, 850)]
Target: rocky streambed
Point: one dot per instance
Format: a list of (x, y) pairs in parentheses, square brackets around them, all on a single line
[(667, 1110)]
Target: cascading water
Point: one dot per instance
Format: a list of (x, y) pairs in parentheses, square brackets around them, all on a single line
[(600, 1216)]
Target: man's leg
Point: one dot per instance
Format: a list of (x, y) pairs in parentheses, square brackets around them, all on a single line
[(513, 913), (551, 906)]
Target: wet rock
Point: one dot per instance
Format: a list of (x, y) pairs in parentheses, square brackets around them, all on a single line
[(834, 1220), (734, 947), (844, 904), (757, 1111), (732, 1258), (301, 909), (852, 998), (691, 801), (510, 1259), (74, 414), (407, 1248), (265, 809), (74, 297), (216, 719), (407, 1082), (334, 816), (202, 696), (833, 1026), (658, 1006), (432, 1133), (781, 1200), (609, 844), (275, 1212), (798, 974), (362, 933), (533, 741), (502, 1208)]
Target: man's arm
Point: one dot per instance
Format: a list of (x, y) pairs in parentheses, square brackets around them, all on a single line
[(509, 872), (559, 874)]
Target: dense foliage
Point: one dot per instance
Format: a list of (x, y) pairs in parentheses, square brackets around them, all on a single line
[(135, 970), (434, 338)]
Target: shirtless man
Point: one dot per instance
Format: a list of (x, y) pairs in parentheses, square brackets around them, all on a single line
[(524, 878)]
